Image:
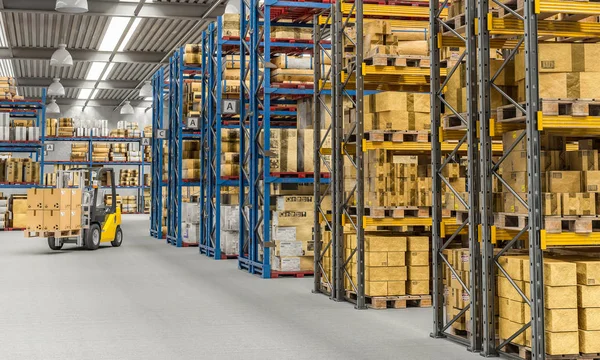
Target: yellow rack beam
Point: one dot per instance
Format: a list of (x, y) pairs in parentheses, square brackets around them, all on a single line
[(394, 23), (367, 221), (568, 239), (391, 11), (567, 7), (453, 41), (570, 125), (511, 26), (416, 146)]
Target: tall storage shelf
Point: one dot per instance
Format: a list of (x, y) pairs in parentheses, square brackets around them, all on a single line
[(535, 128), (156, 208), (215, 47), (177, 132), (35, 149), (258, 98)]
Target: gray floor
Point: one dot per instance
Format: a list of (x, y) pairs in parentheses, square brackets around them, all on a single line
[(147, 300)]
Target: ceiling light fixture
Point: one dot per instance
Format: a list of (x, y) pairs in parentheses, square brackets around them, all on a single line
[(72, 6), (52, 108), (127, 109), (56, 88), (146, 90), (61, 57)]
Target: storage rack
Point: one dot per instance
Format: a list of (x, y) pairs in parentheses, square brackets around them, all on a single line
[(94, 139), (257, 45), (156, 208), (440, 160), (214, 47), (351, 84), (27, 108), (177, 132)]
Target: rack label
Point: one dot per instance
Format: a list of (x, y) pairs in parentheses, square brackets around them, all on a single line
[(193, 123), (49, 147), (230, 106), (161, 134), (146, 141)]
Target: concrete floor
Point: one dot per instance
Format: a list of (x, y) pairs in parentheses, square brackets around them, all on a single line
[(147, 300)]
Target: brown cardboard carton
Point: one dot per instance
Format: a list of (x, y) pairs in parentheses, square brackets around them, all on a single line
[(396, 258), (75, 198), (515, 311), (507, 328), (396, 273), (559, 273), (560, 320), (589, 319), (417, 258), (35, 199), (560, 297), (551, 204), (293, 218), (376, 288), (589, 342), (591, 180), (396, 288), (582, 160), (35, 220), (564, 181), (562, 343), (418, 243), (75, 218), (418, 273), (588, 272), (588, 296), (574, 204), (57, 199), (414, 287), (57, 220)]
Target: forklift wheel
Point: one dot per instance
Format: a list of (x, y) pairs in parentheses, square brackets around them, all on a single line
[(118, 238), (92, 239), (52, 245)]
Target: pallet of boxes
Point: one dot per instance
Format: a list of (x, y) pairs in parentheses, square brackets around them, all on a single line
[(53, 212), (190, 225), (230, 210)]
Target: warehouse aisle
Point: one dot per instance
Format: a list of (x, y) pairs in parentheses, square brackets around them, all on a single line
[(147, 300)]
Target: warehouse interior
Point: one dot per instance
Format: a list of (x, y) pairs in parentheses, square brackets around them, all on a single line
[(336, 179)]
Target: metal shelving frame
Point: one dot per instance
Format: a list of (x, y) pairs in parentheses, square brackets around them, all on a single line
[(156, 207), (178, 73), (256, 45), (440, 160), (212, 124), (27, 109)]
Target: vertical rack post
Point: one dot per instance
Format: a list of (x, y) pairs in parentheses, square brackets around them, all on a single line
[(205, 220), (157, 155)]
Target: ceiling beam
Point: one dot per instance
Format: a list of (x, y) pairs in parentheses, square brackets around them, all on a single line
[(116, 8), (140, 57), (80, 84), (100, 102)]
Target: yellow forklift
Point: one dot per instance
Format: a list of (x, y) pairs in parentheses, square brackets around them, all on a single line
[(100, 223)]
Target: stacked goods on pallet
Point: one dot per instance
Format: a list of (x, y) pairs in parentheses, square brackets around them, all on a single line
[(231, 79), (118, 152), (294, 69), (165, 164), (95, 128), (291, 233), (230, 229), (192, 98), (292, 150), (133, 152), (129, 205), (66, 127), (230, 153), (51, 127), (231, 25), (129, 177), (147, 154), (17, 212), (147, 201), (562, 295), (456, 174), (102, 153), (19, 170), (19, 130), (456, 296), (148, 131), (8, 90), (118, 133), (230, 195), (128, 129), (79, 151), (283, 33), (50, 178), (108, 200), (193, 54), (53, 210), (588, 302), (4, 218), (147, 180), (190, 163), (164, 212), (190, 215)]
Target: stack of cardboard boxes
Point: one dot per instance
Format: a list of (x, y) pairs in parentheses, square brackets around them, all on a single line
[(457, 298), (53, 210), (128, 177), (190, 221), (102, 152), (19, 170), (8, 90), (4, 218), (80, 151), (19, 130), (193, 54), (66, 127), (17, 212), (190, 160), (129, 204), (230, 230), (51, 127), (230, 152)]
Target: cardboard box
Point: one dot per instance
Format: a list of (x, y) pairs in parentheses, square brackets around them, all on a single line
[(564, 182), (295, 203), (562, 343), (558, 320), (582, 160), (35, 199), (379, 243), (591, 181), (294, 248), (395, 273), (57, 220), (589, 319), (574, 204), (75, 218), (36, 220), (560, 297), (414, 287), (418, 243), (559, 273), (418, 273), (588, 296), (515, 311), (417, 258), (293, 218), (57, 199), (589, 342), (551, 204), (588, 272), (293, 263)]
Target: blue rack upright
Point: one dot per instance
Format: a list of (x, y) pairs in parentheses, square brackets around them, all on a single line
[(178, 73), (257, 99), (214, 50), (156, 207)]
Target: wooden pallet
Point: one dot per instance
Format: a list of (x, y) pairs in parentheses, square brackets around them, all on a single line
[(456, 23), (398, 60), (552, 224), (571, 107), (397, 212), (296, 274), (397, 136), (524, 352), (453, 122), (392, 302), (55, 234)]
